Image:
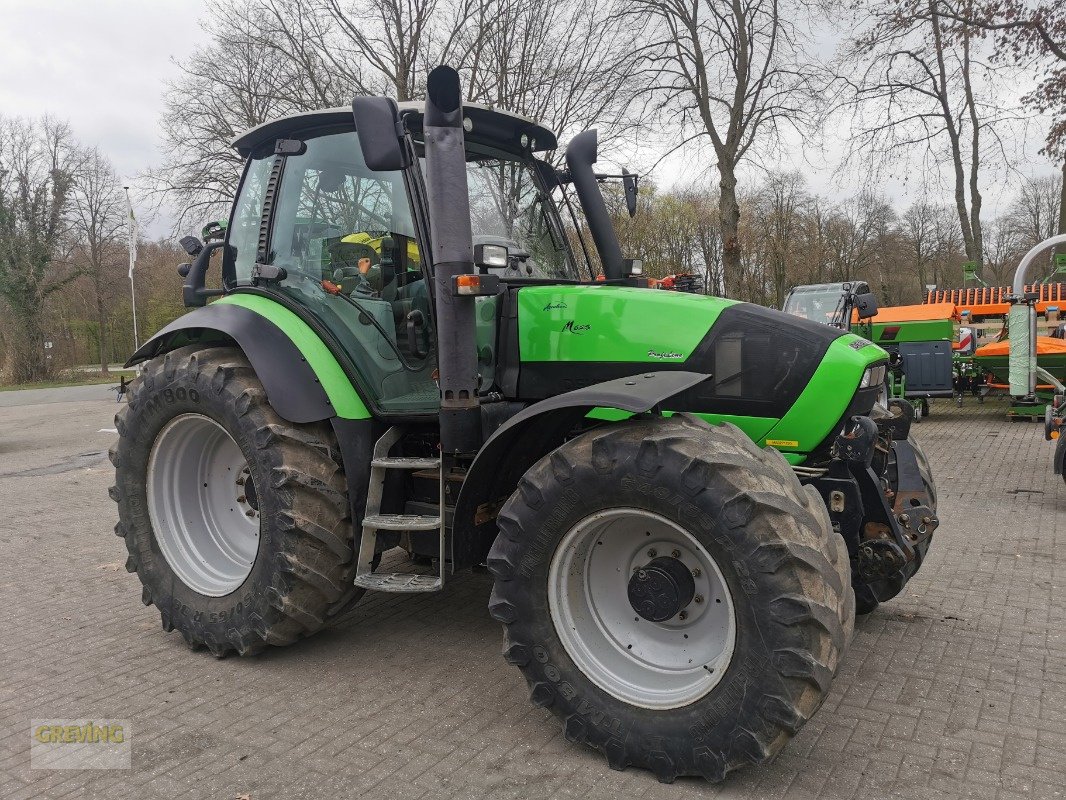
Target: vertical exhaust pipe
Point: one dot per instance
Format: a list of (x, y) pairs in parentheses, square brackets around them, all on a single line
[(453, 254), (580, 156)]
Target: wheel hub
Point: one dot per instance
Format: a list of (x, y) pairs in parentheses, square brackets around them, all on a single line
[(642, 608), (203, 505), (661, 589)]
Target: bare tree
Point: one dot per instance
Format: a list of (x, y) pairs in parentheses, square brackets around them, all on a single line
[(99, 222), (225, 88), (915, 82), (1004, 249), (778, 207), (919, 222), (38, 161), (1035, 210), (1033, 34), (735, 74), (559, 62)]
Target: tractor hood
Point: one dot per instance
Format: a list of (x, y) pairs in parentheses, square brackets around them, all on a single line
[(761, 361)]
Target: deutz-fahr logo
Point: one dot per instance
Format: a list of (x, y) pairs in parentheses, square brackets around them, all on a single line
[(573, 327), (669, 355)]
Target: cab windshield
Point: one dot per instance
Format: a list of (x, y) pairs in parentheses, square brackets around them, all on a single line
[(508, 207), (820, 303)]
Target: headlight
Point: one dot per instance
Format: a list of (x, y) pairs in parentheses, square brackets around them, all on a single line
[(873, 376)]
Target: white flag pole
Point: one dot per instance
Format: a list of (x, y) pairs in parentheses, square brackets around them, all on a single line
[(132, 237)]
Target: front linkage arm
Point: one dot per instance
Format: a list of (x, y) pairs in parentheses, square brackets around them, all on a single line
[(879, 502)]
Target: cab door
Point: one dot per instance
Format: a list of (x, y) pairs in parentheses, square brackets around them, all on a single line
[(345, 237)]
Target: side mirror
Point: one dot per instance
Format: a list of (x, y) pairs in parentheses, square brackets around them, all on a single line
[(866, 305), (191, 245), (377, 121), (629, 184)]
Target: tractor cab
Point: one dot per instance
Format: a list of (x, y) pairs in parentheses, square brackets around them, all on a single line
[(347, 243), (831, 303)]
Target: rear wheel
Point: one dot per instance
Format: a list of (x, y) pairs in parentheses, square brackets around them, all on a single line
[(236, 521), (672, 594)]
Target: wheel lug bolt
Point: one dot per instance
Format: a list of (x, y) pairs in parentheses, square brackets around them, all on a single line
[(652, 553), (698, 598), (697, 572), (676, 553), (249, 513), (642, 575), (683, 615), (241, 499)]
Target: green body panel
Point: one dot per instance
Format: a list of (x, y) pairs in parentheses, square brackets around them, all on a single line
[(612, 323), (345, 399), (653, 324), (918, 331), (825, 399)]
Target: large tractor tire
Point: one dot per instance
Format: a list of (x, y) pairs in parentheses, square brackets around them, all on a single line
[(924, 468), (673, 594), (236, 521)]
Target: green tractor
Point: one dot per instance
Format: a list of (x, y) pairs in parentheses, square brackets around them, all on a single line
[(680, 498)]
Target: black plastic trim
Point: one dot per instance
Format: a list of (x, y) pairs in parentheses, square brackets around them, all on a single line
[(533, 433), (291, 385)]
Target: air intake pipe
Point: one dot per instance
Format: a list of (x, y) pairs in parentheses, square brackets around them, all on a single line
[(453, 254), (580, 156)]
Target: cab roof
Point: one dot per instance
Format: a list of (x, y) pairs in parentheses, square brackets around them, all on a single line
[(488, 126)]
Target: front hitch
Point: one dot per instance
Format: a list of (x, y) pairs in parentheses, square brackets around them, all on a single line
[(879, 502)]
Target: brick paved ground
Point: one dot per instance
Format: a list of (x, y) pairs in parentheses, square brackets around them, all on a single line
[(957, 688)]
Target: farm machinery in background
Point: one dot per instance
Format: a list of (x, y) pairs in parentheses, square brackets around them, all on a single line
[(918, 338), (987, 339), (1027, 378), (958, 342)]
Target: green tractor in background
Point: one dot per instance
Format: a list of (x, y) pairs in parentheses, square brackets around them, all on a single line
[(680, 498), (918, 338)]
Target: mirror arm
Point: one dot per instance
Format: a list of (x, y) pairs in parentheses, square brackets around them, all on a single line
[(194, 293)]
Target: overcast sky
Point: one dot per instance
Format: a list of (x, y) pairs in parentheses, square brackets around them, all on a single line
[(99, 64), (103, 65)]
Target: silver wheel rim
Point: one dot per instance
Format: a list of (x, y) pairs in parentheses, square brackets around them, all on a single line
[(647, 664), (202, 505)]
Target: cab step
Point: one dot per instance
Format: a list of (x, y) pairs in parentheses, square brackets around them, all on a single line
[(401, 522), (375, 521), (406, 462), (400, 582)]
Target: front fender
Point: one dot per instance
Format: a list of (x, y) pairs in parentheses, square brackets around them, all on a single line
[(533, 433), (303, 380)]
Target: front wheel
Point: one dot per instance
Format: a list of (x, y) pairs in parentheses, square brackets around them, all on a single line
[(672, 594), (236, 521)]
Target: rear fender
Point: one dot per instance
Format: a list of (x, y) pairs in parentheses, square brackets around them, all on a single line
[(303, 380), (529, 436)]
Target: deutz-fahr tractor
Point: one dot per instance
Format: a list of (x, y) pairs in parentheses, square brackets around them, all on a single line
[(680, 498)]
